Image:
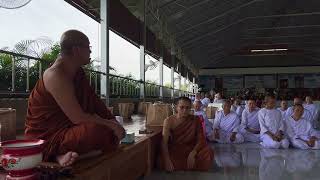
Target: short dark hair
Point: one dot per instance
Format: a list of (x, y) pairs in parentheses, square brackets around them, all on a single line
[(251, 98), (177, 100)]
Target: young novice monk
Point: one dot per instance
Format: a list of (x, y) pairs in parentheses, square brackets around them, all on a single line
[(184, 146)]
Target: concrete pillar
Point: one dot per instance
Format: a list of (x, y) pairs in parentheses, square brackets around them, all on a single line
[(104, 49)]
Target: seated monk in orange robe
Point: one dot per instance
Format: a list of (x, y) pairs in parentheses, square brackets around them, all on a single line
[(184, 145), (65, 111)]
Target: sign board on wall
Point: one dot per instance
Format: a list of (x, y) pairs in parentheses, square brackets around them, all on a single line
[(264, 81), (233, 82), (312, 81), (207, 82)]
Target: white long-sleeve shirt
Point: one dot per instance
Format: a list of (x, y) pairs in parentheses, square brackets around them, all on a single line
[(238, 109), (250, 119), (228, 123), (306, 114), (312, 108), (283, 113), (270, 120), (208, 124), (301, 129)]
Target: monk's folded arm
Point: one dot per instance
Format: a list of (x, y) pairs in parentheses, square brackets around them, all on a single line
[(165, 139)]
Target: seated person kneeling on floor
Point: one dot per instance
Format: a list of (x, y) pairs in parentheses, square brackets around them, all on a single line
[(226, 126), (184, 145), (272, 125), (250, 127), (300, 131)]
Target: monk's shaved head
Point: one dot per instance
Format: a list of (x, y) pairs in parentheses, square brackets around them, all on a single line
[(72, 38)]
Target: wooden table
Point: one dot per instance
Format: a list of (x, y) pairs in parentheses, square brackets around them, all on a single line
[(130, 162)]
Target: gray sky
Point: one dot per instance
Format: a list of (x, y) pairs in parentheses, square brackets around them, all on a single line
[(50, 18)]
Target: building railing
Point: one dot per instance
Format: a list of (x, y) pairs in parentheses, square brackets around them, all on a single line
[(24, 71), (127, 87)]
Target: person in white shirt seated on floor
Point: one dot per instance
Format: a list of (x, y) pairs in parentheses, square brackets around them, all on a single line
[(300, 131), (226, 125), (283, 108), (250, 127), (306, 114), (218, 98), (271, 125), (312, 108), (199, 112), (237, 107), (205, 101)]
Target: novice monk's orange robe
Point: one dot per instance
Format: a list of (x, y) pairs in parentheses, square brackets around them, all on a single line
[(46, 120), (182, 141)]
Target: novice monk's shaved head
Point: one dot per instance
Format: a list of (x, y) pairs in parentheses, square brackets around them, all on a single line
[(76, 46), (72, 38), (183, 106)]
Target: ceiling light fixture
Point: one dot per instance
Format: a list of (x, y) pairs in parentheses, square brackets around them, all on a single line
[(267, 50)]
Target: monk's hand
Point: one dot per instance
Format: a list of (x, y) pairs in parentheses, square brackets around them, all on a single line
[(191, 159), (169, 165), (118, 130), (233, 137)]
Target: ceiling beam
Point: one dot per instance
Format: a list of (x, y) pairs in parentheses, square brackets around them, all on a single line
[(170, 17), (278, 37), (167, 3), (244, 20), (218, 16), (284, 27)]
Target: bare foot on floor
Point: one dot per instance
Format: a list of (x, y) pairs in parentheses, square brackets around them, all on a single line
[(67, 159)]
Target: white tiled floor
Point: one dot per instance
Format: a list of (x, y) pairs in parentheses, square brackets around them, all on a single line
[(250, 161), (246, 162)]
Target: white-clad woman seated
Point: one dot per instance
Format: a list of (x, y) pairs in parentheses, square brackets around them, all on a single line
[(300, 131)]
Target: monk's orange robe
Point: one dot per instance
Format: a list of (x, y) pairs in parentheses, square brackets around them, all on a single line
[(182, 141), (46, 120)]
